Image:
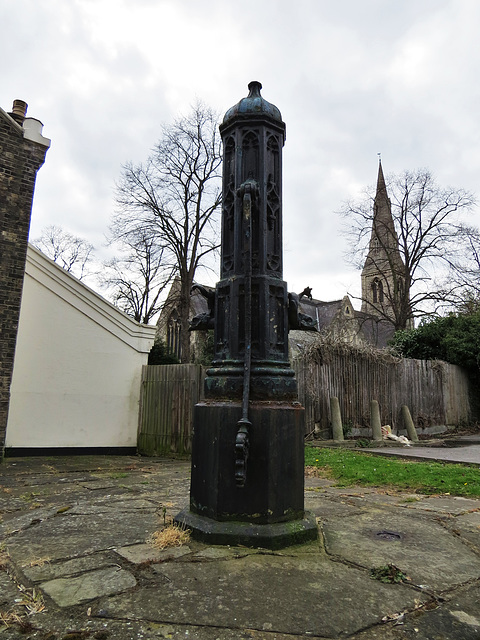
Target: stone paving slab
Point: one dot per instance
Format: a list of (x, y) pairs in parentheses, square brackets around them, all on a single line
[(458, 618), (142, 553), (229, 593), (67, 535), (423, 549), (19, 520), (48, 571), (323, 508), (264, 592), (67, 592), (119, 504), (467, 527), (454, 505)]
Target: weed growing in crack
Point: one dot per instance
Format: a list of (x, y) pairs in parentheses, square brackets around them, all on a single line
[(389, 574), (172, 535)]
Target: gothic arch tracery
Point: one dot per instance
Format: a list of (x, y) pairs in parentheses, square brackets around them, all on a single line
[(377, 291)]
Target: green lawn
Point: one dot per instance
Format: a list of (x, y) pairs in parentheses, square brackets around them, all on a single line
[(352, 468)]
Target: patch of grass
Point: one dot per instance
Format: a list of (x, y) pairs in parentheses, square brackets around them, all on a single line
[(37, 562), (354, 468), (170, 536), (31, 600), (9, 618)]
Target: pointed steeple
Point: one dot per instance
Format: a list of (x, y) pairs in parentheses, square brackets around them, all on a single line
[(381, 186), (383, 271), (382, 215)]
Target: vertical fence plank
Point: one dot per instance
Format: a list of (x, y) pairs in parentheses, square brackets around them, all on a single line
[(167, 398)]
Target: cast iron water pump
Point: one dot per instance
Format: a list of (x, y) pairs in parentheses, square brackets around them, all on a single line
[(247, 454)]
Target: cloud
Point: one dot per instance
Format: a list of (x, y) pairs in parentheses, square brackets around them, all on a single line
[(351, 79)]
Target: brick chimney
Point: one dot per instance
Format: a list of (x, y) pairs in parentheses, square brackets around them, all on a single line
[(19, 111)]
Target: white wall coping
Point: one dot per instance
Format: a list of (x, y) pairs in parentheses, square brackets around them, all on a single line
[(31, 130), (64, 285)]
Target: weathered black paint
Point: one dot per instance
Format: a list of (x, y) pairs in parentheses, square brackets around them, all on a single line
[(258, 489), (253, 136), (273, 491)]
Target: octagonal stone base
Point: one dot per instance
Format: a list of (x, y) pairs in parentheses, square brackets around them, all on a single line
[(268, 536), (269, 509)]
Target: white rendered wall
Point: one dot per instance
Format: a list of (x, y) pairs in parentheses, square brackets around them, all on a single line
[(76, 378)]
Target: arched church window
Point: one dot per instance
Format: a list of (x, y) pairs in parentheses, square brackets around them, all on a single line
[(377, 290)]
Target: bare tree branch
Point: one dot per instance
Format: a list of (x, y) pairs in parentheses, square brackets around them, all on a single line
[(433, 242), (70, 252), (172, 200)]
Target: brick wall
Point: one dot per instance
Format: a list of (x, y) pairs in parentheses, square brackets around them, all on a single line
[(20, 159)]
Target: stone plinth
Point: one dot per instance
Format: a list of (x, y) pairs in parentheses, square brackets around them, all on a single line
[(269, 510)]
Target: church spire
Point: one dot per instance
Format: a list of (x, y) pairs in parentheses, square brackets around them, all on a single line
[(382, 213), (381, 186), (383, 272)]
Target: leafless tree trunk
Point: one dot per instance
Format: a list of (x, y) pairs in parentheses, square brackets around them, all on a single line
[(172, 198)]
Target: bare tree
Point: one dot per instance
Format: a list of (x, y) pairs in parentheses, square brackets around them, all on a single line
[(172, 199), (416, 257), (137, 278), (465, 274), (72, 253)]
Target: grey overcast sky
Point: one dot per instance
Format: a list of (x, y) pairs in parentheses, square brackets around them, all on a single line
[(352, 78)]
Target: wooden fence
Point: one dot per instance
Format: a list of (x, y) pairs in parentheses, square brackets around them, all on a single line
[(168, 395), (436, 393)]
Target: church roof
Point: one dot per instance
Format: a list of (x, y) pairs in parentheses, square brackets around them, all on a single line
[(322, 312)]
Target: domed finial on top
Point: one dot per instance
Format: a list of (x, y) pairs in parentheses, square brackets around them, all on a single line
[(254, 87), (252, 105)]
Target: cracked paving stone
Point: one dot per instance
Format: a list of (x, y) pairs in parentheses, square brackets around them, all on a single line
[(69, 568), (67, 592), (69, 535), (468, 527), (18, 521), (455, 505), (222, 553), (278, 594), (140, 553), (130, 504), (425, 551)]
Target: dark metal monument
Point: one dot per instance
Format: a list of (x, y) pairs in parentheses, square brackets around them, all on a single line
[(247, 483)]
